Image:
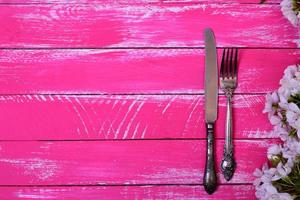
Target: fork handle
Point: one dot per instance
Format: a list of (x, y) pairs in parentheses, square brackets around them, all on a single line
[(228, 163), (210, 178)]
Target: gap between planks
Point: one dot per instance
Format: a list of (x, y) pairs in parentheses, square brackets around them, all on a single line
[(148, 3), (135, 139), (127, 94), (225, 192), (119, 185), (145, 48)]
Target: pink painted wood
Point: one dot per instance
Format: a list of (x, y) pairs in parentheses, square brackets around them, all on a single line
[(124, 117), (125, 2), (121, 162), (143, 25), (224, 192), (59, 51), (132, 71)]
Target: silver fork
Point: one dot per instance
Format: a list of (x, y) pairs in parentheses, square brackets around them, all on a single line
[(228, 81)]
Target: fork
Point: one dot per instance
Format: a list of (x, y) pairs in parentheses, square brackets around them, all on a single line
[(228, 83)]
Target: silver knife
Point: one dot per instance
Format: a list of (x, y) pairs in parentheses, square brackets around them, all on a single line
[(211, 103)]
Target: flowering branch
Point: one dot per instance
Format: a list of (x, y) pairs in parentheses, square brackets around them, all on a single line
[(290, 10), (281, 179)]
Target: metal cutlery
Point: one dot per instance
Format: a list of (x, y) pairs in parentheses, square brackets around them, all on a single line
[(228, 83), (211, 103)]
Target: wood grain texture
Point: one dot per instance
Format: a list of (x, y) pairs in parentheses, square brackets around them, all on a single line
[(57, 117), (143, 25), (128, 71), (224, 192), (125, 2), (121, 162)]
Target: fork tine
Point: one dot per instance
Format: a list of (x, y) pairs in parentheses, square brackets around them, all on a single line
[(222, 70), (235, 63), (227, 66), (231, 67)]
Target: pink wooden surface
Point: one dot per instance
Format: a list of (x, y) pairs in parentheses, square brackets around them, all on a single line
[(143, 25), (132, 70), (124, 117), (87, 115), (225, 192), (121, 162), (125, 2)]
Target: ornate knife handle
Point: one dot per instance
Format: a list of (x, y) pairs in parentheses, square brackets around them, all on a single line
[(210, 178), (228, 163)]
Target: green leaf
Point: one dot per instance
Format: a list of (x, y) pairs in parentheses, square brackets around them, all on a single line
[(293, 132), (297, 186)]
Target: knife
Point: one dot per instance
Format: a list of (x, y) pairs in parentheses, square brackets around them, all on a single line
[(211, 102)]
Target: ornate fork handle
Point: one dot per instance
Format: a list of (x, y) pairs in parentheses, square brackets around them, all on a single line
[(228, 163)]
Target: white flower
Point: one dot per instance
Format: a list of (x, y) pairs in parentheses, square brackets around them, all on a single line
[(271, 99), (258, 172), (284, 94), (280, 196), (264, 176), (287, 11), (281, 171), (291, 150), (267, 191), (286, 118), (281, 132), (293, 115), (293, 144), (275, 120), (290, 83), (274, 150)]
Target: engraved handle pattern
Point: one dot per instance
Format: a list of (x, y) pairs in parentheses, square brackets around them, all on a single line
[(210, 178), (228, 163)]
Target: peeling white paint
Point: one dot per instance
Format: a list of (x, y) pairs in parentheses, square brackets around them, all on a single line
[(124, 118), (132, 119), (39, 168)]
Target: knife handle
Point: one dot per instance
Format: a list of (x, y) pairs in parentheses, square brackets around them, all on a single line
[(210, 178)]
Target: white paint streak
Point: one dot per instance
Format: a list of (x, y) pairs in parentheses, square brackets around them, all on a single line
[(144, 132), (43, 98), (78, 114), (51, 98), (124, 118), (88, 116), (258, 133), (135, 130), (40, 168), (115, 103), (181, 175), (245, 101), (197, 100), (111, 123), (169, 104), (132, 119), (37, 97), (25, 195)]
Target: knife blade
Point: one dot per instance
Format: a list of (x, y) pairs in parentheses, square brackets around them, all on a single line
[(211, 103)]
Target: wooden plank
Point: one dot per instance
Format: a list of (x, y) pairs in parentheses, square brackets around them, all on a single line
[(224, 192), (51, 117), (143, 25), (121, 162), (131, 1), (132, 70)]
